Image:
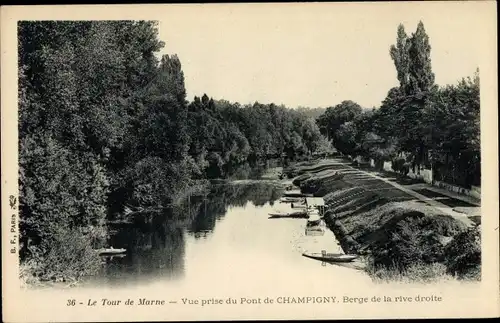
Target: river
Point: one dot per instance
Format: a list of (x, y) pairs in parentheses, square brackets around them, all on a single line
[(221, 239)]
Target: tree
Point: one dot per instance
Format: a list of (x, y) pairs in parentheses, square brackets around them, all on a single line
[(345, 138), (420, 69), (454, 132), (411, 56), (311, 135), (400, 55), (406, 107), (81, 97), (335, 116)]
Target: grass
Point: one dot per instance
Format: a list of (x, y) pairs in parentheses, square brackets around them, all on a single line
[(406, 243), (405, 240), (323, 187), (418, 273), (332, 196)]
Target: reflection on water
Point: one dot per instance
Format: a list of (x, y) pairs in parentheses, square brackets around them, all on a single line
[(154, 250), (248, 170), (156, 243), (223, 239)]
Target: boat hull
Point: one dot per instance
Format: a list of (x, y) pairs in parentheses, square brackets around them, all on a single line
[(109, 252), (296, 194), (298, 206), (288, 215), (314, 232), (330, 257), (291, 200)]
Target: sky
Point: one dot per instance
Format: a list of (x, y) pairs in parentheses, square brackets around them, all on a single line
[(315, 55)]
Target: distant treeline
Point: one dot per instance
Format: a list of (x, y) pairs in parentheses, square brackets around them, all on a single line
[(419, 124), (104, 124), (225, 133)]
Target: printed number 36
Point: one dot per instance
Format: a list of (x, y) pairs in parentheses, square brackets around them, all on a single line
[(71, 302)]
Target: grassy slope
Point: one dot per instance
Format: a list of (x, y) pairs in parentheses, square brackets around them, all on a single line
[(403, 239)]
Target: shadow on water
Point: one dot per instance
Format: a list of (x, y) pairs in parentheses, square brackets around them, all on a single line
[(156, 242), (248, 170), (356, 265)]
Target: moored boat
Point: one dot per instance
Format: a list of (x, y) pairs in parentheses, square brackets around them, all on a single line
[(314, 219), (330, 257), (314, 231), (294, 215), (298, 206), (291, 199), (111, 251), (295, 193)]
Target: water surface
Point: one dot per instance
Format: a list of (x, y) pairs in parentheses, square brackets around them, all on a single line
[(224, 240)]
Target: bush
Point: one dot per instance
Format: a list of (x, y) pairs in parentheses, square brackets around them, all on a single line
[(463, 254), (407, 245), (416, 273), (412, 246), (442, 224), (68, 257), (409, 237), (379, 164), (401, 166), (58, 188)]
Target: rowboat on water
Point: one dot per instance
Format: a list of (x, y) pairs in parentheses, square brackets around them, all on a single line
[(295, 193), (330, 257), (293, 215), (291, 199), (315, 231), (111, 251), (314, 219), (299, 205)]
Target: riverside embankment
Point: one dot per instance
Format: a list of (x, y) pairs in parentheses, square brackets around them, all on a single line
[(401, 229)]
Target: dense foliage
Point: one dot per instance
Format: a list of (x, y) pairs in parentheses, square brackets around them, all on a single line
[(418, 122), (225, 133), (104, 124)]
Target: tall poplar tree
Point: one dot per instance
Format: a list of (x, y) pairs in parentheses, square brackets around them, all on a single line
[(400, 56), (421, 76)]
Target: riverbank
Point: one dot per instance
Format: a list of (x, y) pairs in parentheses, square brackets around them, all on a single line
[(402, 234)]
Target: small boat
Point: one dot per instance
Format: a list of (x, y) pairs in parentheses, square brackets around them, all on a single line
[(291, 199), (292, 215), (315, 231), (330, 257), (314, 219), (110, 251)]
